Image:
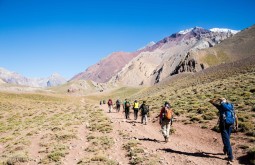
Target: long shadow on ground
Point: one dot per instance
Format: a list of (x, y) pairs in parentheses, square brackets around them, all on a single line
[(149, 139), (196, 154)]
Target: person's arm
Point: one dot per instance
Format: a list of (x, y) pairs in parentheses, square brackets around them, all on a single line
[(215, 102), (160, 116), (236, 122)]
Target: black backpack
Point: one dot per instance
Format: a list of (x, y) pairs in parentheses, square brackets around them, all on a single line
[(145, 109), (127, 104)]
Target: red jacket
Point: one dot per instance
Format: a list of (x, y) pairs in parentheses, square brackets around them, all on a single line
[(109, 102)]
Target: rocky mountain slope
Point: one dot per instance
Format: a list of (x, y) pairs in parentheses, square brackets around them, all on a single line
[(17, 79), (106, 68), (240, 46), (153, 58), (170, 56)]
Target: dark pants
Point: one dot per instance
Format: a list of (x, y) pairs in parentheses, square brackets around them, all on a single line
[(135, 113), (118, 107), (127, 113), (225, 134)]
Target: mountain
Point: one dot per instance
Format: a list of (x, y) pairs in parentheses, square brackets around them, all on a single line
[(171, 55), (55, 80), (178, 44), (235, 48), (106, 68), (17, 79)]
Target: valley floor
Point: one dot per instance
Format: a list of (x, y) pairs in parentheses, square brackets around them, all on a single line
[(68, 133), (188, 145)]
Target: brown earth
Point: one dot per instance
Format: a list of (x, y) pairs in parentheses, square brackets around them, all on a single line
[(188, 145)]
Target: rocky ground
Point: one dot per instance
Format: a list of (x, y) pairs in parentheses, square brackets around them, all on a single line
[(188, 145)]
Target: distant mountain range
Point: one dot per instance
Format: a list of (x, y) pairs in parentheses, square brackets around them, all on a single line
[(9, 77), (156, 61), (187, 51)]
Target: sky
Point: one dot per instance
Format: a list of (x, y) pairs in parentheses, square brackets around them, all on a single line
[(41, 37)]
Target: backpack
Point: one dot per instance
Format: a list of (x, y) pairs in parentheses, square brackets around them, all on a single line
[(118, 102), (167, 114), (127, 104), (145, 109), (110, 102), (228, 114)]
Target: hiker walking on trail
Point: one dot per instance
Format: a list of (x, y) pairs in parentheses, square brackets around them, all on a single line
[(118, 102), (135, 107), (166, 120), (110, 105), (144, 112), (126, 107), (227, 120)]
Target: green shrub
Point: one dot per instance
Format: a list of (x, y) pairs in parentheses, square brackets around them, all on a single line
[(209, 116), (216, 128), (196, 118), (246, 126)]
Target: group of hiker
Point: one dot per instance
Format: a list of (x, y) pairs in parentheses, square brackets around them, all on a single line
[(227, 118), (126, 105)]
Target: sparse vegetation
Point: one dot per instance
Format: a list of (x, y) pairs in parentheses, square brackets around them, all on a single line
[(137, 154), (51, 119)]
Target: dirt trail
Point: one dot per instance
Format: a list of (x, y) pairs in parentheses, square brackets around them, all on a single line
[(188, 145)]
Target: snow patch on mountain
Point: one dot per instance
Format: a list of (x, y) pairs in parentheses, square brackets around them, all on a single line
[(224, 30), (185, 31)]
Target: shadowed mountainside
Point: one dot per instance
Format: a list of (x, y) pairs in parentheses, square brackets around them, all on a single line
[(170, 56)]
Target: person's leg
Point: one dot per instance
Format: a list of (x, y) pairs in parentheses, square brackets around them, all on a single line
[(226, 141), (146, 118), (163, 128), (167, 131), (128, 113)]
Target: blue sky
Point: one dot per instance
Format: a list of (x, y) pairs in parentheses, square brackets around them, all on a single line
[(41, 37)]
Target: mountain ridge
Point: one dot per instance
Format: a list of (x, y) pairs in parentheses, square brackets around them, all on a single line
[(17, 79), (105, 69), (169, 56)]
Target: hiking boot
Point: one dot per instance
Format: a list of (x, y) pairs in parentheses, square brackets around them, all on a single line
[(224, 151), (230, 162)]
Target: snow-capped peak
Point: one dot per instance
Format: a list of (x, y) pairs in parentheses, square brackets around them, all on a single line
[(185, 31), (225, 30), (188, 30)]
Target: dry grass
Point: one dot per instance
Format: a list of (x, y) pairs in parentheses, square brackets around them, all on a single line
[(48, 121), (138, 155), (189, 96)]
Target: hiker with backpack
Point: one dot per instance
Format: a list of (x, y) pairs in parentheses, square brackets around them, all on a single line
[(227, 120), (166, 120), (135, 107), (110, 105), (118, 102), (126, 107), (144, 112)]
